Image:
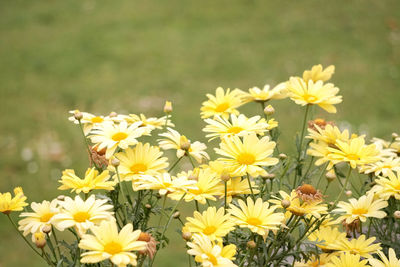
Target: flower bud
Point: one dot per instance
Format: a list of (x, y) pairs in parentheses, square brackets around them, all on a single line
[(187, 236), (270, 176), (225, 176), (395, 135), (168, 107), (269, 110), (113, 114), (184, 143), (396, 214), (78, 115), (251, 244), (282, 156), (39, 239), (349, 193), (147, 206), (61, 197), (176, 215), (115, 162), (285, 203), (330, 176), (47, 229)]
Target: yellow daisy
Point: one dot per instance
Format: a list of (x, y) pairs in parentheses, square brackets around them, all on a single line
[(237, 186), (152, 122), (106, 243), (317, 73), (112, 136), (382, 167), (212, 222), (223, 103), (327, 238), (164, 183), (392, 261), (82, 214), (239, 125), (262, 95), (347, 260), (389, 186), (93, 180), (249, 156), (40, 217), (358, 246), (258, 216), (175, 140), (328, 135), (89, 121), (143, 159), (9, 203), (314, 93), (362, 208)]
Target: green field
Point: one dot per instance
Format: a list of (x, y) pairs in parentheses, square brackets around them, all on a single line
[(131, 56)]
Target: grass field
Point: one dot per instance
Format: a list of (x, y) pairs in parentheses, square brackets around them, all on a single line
[(130, 56)]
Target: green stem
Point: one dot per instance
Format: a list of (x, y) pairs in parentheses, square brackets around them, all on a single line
[(191, 160), (300, 148), (226, 196), (343, 188), (251, 188), (50, 244), (88, 146), (173, 165), (57, 245)]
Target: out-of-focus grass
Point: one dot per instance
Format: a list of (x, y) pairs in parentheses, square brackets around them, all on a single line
[(130, 56)]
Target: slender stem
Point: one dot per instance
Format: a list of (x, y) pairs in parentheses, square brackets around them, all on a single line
[(251, 188), (343, 188), (173, 165), (320, 175), (123, 196), (57, 245), (51, 247), (88, 146), (300, 148), (162, 209), (46, 257), (226, 196), (197, 205), (191, 160)]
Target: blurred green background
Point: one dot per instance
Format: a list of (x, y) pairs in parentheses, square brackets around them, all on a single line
[(131, 56)]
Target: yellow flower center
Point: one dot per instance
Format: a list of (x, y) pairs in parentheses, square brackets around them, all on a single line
[(196, 191), (222, 107), (309, 98), (253, 221), (113, 248), (353, 157), (212, 259), (46, 217), (119, 136), (81, 216), (209, 230), (359, 211), (397, 186), (246, 159), (97, 119), (138, 167), (235, 130)]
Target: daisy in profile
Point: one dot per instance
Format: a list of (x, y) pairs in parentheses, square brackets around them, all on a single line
[(263, 95), (364, 207), (318, 73), (387, 187), (164, 183), (212, 222), (347, 260), (9, 203), (314, 93), (88, 120), (92, 180), (238, 186), (141, 160), (327, 237), (383, 167), (41, 216), (239, 125), (106, 243), (223, 103), (248, 156), (183, 146), (112, 136), (209, 254), (152, 122), (392, 261), (358, 246), (82, 214), (328, 135), (257, 216)]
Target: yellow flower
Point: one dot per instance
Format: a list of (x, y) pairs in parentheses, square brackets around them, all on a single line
[(212, 223), (314, 261), (362, 208), (327, 237), (41, 216), (258, 216), (82, 214), (222, 103), (329, 135), (209, 254), (168, 107), (346, 260), (358, 246), (164, 183), (9, 203), (89, 121), (238, 186), (258, 95), (249, 156), (239, 126), (173, 141), (141, 160), (93, 180), (112, 136), (387, 187), (107, 243), (272, 123), (317, 73), (384, 166), (392, 261), (152, 122), (314, 93)]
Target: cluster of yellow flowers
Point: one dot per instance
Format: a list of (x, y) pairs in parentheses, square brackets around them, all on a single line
[(254, 205)]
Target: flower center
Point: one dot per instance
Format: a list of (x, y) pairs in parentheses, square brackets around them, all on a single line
[(235, 130), (353, 157), (196, 191), (222, 107), (112, 248), (81, 216), (46, 217), (138, 167), (212, 259), (246, 159), (209, 230), (309, 98), (97, 119), (307, 189), (119, 136), (359, 211), (397, 186), (253, 221)]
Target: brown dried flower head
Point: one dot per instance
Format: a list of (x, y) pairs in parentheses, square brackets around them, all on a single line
[(98, 157), (321, 123), (151, 246), (308, 193)]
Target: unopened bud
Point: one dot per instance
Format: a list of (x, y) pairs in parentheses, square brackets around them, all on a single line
[(39, 239), (282, 156), (147, 206), (285, 203), (168, 107), (46, 229), (176, 215), (269, 110), (113, 114), (349, 193), (61, 197), (251, 244), (187, 236), (395, 135), (330, 176), (225, 177), (184, 143), (115, 162), (78, 115), (396, 214), (270, 176)]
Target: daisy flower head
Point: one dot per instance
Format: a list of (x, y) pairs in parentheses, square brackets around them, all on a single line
[(263, 95), (106, 243), (387, 187), (152, 122), (257, 216), (358, 246), (88, 120), (223, 103), (382, 167), (314, 93), (183, 146), (238, 186), (93, 180), (41, 216), (327, 237), (82, 214), (9, 203), (364, 207), (329, 134), (392, 261), (248, 156), (318, 73), (143, 159), (238, 125), (347, 260), (212, 222), (112, 136)]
